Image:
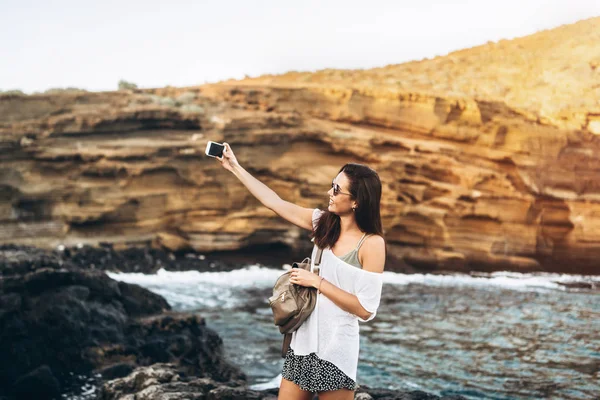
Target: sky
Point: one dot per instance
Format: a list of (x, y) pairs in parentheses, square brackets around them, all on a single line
[(93, 44)]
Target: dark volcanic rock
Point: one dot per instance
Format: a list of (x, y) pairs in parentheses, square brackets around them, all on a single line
[(37, 384), (147, 259), (181, 338), (57, 319), (60, 318), (18, 259), (117, 370), (163, 381)]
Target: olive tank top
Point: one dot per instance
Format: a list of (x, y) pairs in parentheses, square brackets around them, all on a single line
[(352, 257)]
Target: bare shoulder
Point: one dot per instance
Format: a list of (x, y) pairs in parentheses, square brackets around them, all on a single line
[(375, 240), (372, 254)]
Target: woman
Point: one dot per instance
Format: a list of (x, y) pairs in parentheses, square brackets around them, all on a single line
[(323, 354)]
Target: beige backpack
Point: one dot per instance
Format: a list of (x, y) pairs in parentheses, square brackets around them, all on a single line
[(292, 304)]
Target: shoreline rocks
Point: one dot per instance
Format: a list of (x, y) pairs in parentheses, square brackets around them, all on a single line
[(64, 326), (140, 259), (162, 381), (57, 319)]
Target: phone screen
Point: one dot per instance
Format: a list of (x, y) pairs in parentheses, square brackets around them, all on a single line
[(215, 149)]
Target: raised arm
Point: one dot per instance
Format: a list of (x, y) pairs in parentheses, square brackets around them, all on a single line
[(299, 216)]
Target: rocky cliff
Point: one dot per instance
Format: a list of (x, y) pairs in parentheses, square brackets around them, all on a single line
[(62, 325), (488, 156)]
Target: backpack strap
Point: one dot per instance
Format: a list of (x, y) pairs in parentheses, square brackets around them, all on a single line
[(287, 339), (318, 260)]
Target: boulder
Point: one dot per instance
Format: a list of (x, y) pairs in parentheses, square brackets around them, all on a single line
[(57, 321)]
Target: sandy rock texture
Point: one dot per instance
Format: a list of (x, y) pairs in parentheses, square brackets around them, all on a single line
[(489, 158), (162, 381)]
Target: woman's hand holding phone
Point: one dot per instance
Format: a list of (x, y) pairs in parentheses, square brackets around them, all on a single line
[(228, 160)]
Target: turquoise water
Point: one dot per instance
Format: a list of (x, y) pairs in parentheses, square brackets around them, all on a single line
[(505, 336)]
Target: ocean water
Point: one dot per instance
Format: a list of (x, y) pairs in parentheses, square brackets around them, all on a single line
[(491, 336)]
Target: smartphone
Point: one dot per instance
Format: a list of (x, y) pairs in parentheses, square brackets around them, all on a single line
[(214, 149)]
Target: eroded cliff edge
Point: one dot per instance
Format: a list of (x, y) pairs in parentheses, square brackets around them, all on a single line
[(472, 181)]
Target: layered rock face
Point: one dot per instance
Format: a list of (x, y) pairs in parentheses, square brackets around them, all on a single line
[(482, 168)]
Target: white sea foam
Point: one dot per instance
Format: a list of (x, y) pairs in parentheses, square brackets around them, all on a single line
[(255, 276), (193, 290), (189, 290), (250, 276), (273, 383), (501, 279), (412, 385)]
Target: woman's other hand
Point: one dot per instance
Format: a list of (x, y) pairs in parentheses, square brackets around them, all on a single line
[(228, 160), (303, 277)]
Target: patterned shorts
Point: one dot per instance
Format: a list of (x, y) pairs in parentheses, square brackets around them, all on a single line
[(315, 375)]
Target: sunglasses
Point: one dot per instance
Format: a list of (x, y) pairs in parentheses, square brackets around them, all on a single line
[(337, 189)]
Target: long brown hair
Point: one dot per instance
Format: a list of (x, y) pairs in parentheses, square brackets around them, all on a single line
[(365, 188)]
